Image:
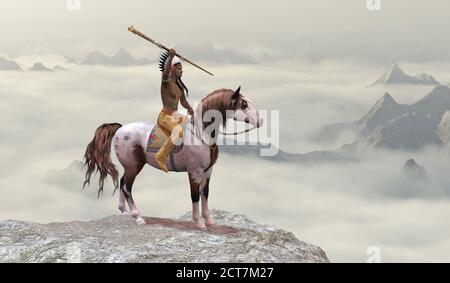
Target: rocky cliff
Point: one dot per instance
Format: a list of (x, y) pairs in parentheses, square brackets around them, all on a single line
[(235, 238)]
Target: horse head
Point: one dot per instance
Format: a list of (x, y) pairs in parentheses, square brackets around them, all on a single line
[(242, 110)]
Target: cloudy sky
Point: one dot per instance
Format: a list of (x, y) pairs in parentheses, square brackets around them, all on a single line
[(47, 119), (325, 28)]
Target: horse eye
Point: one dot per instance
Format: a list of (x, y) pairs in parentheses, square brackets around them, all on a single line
[(244, 104)]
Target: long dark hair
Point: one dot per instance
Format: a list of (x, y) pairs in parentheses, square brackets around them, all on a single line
[(182, 86)]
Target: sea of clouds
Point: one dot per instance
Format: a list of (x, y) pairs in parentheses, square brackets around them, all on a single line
[(47, 119)]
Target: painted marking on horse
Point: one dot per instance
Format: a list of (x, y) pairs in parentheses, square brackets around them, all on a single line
[(206, 188), (195, 188)]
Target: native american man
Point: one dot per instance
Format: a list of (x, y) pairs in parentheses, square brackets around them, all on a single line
[(173, 91)]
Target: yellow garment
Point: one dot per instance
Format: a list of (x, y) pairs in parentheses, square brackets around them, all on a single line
[(172, 124)]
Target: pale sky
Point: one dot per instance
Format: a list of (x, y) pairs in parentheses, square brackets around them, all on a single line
[(328, 27)]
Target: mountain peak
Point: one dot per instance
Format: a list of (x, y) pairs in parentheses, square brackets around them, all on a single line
[(39, 67), (427, 78), (122, 52), (437, 101), (411, 163), (9, 65), (395, 75), (413, 170), (384, 109), (121, 58), (387, 99), (441, 89), (396, 69)]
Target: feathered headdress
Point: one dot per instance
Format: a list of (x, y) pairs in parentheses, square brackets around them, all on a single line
[(162, 63), (163, 60)]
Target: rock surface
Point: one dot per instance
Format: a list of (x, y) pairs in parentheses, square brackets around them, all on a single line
[(235, 238)]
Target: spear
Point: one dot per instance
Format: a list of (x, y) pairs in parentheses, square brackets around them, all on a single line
[(136, 32)]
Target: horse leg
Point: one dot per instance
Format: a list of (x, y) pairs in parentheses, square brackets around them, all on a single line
[(195, 179), (129, 180), (122, 205), (209, 221), (133, 161)]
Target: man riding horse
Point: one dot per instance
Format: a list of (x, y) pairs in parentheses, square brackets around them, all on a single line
[(173, 91), (196, 158)]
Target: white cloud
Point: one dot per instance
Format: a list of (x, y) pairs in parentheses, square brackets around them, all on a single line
[(48, 119)]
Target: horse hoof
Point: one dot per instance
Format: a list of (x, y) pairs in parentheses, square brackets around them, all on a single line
[(140, 221), (125, 213), (210, 222), (200, 226)]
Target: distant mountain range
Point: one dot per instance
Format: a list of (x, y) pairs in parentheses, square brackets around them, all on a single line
[(281, 156), (203, 52), (121, 58), (11, 65), (207, 52), (396, 126), (395, 75)]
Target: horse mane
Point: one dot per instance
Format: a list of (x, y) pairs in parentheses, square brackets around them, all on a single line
[(218, 100)]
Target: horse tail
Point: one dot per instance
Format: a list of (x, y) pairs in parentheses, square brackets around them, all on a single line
[(97, 156)]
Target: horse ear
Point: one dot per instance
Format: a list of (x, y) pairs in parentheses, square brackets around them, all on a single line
[(236, 94)]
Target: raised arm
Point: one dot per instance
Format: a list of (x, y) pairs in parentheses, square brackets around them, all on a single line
[(168, 66)]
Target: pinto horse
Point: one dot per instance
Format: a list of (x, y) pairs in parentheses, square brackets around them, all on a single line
[(196, 155)]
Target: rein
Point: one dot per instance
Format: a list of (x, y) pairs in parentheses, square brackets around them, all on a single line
[(220, 132), (237, 133)]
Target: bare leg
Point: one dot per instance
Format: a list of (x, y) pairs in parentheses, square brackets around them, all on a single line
[(195, 180)]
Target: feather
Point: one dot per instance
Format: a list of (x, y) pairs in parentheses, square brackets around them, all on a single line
[(163, 59)]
